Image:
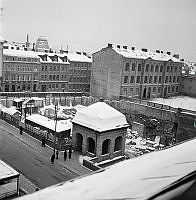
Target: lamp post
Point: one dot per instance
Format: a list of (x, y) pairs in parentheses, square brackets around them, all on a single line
[(55, 128)]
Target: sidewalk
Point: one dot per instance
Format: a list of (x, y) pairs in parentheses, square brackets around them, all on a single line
[(74, 164)]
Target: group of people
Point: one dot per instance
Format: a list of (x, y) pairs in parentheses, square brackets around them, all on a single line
[(64, 155)]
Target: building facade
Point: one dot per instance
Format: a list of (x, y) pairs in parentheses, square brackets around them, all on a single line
[(20, 70), (188, 85), (122, 72), (26, 69)]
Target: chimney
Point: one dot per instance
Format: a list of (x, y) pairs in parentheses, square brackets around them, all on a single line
[(161, 51), (132, 48), (168, 53), (109, 45), (145, 50), (84, 53), (124, 47), (157, 51), (118, 46), (176, 56), (79, 53), (25, 49), (17, 48)]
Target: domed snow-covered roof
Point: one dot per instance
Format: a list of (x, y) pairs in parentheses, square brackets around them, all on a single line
[(100, 117)]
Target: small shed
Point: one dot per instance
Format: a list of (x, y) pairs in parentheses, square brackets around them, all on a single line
[(9, 181), (49, 129), (99, 131)]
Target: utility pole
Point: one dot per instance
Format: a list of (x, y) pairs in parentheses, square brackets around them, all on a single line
[(55, 128)]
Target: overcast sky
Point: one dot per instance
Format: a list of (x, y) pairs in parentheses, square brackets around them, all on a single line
[(168, 25)]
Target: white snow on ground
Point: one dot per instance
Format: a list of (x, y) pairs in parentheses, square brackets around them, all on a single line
[(178, 102)]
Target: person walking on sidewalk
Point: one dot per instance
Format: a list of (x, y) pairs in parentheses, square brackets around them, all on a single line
[(52, 158), (20, 130), (57, 154), (65, 155), (70, 151), (43, 142)]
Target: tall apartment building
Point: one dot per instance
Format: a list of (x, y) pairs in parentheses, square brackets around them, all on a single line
[(24, 69), (20, 70), (122, 72), (53, 72), (79, 71)]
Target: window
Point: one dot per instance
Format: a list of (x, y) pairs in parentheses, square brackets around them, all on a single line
[(150, 79), (58, 68), (177, 88), (169, 89), (50, 77), (54, 68), (171, 69), (152, 69), (170, 79), (57, 85), (172, 88), (127, 67), (154, 89), (49, 85), (159, 89), (131, 91), (54, 77), (63, 85), (160, 79), (155, 79), (145, 79), (125, 79), (147, 67), (178, 79), (175, 69), (132, 79), (167, 68), (174, 79), (46, 68), (138, 79), (166, 79), (57, 77), (156, 68), (42, 68), (139, 67), (133, 67), (161, 68), (50, 68), (125, 91), (189, 87)]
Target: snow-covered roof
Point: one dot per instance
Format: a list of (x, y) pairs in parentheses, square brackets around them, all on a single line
[(6, 171), (20, 53), (62, 125), (11, 111), (49, 55), (137, 178), (100, 117), (145, 55), (78, 58)]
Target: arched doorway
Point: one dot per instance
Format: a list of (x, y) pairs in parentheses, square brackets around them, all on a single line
[(144, 93), (149, 92), (118, 144), (79, 141), (91, 145), (106, 146)]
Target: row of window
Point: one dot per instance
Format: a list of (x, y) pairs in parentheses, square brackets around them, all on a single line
[(79, 79), (15, 77), (24, 68), (53, 68), (130, 91), (80, 65), (151, 79), (149, 68), (12, 58)]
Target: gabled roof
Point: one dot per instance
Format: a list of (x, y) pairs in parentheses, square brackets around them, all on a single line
[(74, 57), (100, 117)]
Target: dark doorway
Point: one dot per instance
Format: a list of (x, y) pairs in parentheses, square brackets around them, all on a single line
[(91, 145), (165, 92), (149, 92), (106, 146), (118, 144), (144, 93), (34, 88), (79, 141), (43, 88), (6, 88), (13, 88)]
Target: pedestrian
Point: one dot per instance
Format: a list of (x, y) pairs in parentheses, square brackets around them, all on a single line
[(70, 151), (52, 158), (21, 130), (57, 154), (65, 155), (43, 142)]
